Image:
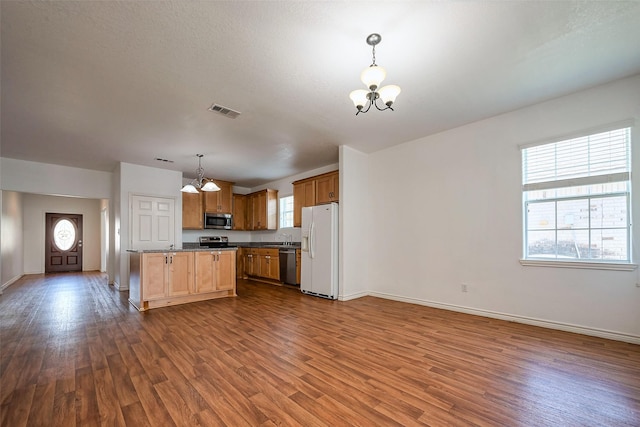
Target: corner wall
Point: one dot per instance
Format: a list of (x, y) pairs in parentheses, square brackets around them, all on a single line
[(11, 245), (452, 214)]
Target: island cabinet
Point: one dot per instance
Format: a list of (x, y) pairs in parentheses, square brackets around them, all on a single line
[(192, 211), (166, 274), (313, 191), (219, 201), (262, 210), (159, 279), (215, 271)]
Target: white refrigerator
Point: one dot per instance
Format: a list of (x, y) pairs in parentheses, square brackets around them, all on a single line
[(319, 270)]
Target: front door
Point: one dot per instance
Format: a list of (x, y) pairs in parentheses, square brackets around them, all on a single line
[(63, 243)]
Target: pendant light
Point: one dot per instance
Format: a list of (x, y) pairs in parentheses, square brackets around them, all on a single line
[(372, 77), (200, 183)]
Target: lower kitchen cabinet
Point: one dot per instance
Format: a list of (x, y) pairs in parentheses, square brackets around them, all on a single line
[(262, 263), (215, 271), (166, 274), (159, 279)]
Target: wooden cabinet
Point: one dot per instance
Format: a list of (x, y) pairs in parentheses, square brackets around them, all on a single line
[(251, 264), (215, 271), (304, 194), (166, 274), (219, 201), (239, 211), (192, 212), (313, 191), (262, 210), (159, 279), (327, 188), (269, 261), (262, 263)]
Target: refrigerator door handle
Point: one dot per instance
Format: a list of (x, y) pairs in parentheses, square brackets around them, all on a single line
[(311, 240)]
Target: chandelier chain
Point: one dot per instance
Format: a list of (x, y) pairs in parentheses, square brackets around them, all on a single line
[(373, 54)]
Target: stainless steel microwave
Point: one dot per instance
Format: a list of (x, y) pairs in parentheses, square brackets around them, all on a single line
[(218, 220)]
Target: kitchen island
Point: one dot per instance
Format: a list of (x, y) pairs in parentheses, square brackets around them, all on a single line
[(160, 278)]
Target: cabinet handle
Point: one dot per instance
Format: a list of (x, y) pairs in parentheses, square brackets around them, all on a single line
[(166, 260), (171, 260)]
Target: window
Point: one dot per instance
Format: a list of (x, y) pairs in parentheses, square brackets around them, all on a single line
[(286, 212), (577, 198)]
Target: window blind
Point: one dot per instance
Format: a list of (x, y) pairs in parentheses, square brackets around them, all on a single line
[(593, 159)]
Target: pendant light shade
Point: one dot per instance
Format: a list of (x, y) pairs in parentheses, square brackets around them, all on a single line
[(372, 76)]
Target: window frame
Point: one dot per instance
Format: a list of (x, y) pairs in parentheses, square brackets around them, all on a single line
[(588, 263)]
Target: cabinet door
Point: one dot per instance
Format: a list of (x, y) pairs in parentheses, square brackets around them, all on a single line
[(225, 197), (249, 219), (192, 213), (248, 264), (304, 194), (260, 210), (327, 187), (205, 272), (154, 275), (180, 273), (226, 270), (239, 211), (264, 265)]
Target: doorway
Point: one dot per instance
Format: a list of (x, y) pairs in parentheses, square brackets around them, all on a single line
[(63, 243)]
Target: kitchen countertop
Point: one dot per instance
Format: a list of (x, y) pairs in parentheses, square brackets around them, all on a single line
[(195, 249), (196, 245)]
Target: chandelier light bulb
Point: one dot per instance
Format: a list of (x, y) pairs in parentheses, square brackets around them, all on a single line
[(372, 76), (210, 186), (359, 98), (389, 93)]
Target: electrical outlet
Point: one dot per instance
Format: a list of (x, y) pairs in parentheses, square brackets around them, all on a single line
[(463, 287)]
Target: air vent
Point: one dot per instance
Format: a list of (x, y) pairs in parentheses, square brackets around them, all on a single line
[(163, 160), (227, 112)]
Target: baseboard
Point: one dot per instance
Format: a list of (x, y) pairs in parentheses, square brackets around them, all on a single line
[(567, 327), (117, 286), (353, 296), (10, 282)]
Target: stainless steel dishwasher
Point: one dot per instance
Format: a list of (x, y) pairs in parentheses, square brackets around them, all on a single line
[(288, 265)]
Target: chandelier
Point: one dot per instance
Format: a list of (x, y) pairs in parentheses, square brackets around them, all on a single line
[(200, 183), (372, 77)]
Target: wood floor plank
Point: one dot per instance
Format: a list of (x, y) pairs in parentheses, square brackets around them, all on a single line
[(75, 352)]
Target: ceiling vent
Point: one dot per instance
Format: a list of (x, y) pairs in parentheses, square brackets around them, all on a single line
[(227, 112)]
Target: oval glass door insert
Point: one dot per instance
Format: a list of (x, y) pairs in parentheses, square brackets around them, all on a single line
[(64, 234)]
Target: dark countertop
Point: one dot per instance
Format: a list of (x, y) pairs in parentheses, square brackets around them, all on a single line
[(194, 249), (295, 245)]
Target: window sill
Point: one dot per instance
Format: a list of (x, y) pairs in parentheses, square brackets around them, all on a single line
[(579, 264)]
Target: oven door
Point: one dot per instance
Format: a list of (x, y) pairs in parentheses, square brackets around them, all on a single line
[(218, 221)]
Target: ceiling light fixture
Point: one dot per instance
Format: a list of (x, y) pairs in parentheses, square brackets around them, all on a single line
[(200, 183), (372, 77)]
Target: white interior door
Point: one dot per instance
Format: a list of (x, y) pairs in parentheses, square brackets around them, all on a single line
[(152, 222)]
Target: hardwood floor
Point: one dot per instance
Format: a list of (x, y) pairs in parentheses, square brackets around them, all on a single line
[(74, 352)]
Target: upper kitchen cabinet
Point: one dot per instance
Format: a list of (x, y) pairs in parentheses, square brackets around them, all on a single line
[(312, 191), (239, 212), (219, 201), (304, 194), (262, 210), (327, 188), (192, 211)]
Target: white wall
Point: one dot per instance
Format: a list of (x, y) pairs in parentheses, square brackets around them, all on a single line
[(35, 207), (355, 224), (451, 214), (12, 237), (147, 181), (43, 178)]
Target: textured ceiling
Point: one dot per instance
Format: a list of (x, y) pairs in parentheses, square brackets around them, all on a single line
[(89, 84)]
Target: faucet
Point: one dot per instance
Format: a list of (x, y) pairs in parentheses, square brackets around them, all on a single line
[(288, 239)]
